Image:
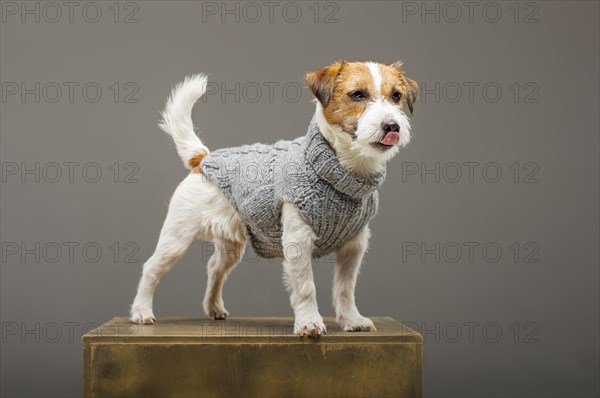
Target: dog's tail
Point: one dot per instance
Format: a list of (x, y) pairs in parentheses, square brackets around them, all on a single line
[(177, 120)]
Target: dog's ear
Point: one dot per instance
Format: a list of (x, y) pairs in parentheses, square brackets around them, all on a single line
[(412, 88), (322, 81), (409, 86)]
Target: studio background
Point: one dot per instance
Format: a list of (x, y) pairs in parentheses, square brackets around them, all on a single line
[(499, 271)]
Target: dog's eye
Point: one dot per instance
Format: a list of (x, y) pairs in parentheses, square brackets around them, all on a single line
[(396, 96), (357, 95)]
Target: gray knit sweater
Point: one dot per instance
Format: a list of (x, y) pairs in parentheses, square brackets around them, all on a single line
[(258, 178)]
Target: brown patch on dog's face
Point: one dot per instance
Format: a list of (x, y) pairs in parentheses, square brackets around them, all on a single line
[(345, 89), (350, 97), (195, 161), (407, 87)]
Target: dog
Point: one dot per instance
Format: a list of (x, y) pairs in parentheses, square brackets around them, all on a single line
[(317, 196)]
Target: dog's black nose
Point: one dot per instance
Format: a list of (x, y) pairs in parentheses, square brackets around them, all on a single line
[(389, 127)]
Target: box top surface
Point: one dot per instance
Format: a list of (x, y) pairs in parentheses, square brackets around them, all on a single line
[(242, 330)]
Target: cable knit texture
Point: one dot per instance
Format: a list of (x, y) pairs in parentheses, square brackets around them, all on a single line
[(258, 178)]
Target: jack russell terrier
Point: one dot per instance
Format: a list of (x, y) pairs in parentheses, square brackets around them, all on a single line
[(297, 199)]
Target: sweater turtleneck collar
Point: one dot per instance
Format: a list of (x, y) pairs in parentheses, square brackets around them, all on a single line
[(322, 158)]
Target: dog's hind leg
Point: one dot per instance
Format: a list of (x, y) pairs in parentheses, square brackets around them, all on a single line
[(198, 209), (226, 256), (178, 232)]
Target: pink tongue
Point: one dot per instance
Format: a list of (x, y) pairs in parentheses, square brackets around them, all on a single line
[(390, 138)]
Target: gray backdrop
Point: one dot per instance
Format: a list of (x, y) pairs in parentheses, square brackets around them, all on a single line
[(487, 237)]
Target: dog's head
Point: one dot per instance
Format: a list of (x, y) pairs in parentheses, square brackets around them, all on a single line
[(363, 104)]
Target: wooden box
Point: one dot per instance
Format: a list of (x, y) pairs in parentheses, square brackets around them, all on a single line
[(249, 357)]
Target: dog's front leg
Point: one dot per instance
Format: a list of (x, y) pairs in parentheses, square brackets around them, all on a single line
[(298, 239), (349, 259)]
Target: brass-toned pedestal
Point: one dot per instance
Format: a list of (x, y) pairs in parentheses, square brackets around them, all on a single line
[(249, 357)]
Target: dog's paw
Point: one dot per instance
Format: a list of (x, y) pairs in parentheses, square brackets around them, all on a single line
[(313, 327), (219, 315), (216, 312), (142, 316), (356, 324)]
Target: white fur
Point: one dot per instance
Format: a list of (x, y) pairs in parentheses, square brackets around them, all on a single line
[(177, 117), (369, 128), (349, 259), (358, 156), (376, 75), (298, 238), (198, 208)]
